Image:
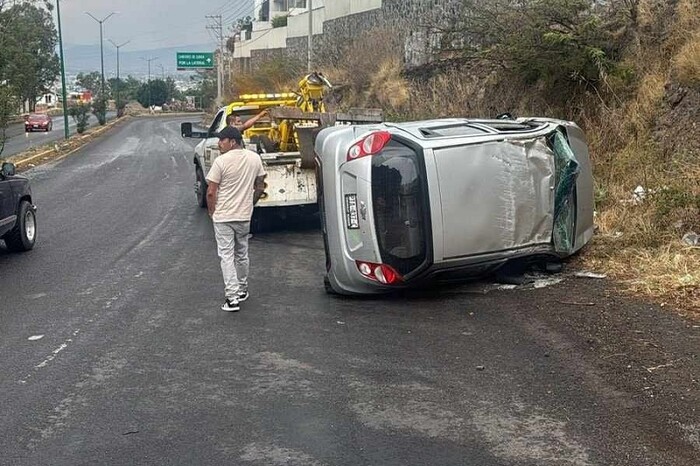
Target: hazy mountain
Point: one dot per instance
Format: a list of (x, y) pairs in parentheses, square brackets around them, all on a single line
[(86, 58)]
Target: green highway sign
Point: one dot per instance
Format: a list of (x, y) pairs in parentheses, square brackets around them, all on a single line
[(194, 60)]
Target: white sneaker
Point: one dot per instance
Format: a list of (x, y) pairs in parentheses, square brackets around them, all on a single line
[(231, 305)]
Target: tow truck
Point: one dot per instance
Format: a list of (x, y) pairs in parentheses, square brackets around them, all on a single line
[(284, 140)]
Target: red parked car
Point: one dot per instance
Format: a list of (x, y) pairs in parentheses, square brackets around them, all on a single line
[(38, 122)]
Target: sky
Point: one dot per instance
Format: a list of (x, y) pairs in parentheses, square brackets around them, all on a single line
[(148, 24)]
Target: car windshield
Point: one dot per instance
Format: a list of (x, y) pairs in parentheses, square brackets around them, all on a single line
[(399, 207), (37, 117)]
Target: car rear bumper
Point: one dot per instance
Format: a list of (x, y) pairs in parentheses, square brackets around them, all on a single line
[(346, 279)]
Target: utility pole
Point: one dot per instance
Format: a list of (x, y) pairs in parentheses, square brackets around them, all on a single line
[(218, 28), (149, 60), (63, 72), (162, 71), (119, 83), (102, 55), (311, 36)]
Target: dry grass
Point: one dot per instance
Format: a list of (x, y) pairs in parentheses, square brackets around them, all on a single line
[(686, 64), (274, 75), (669, 274)]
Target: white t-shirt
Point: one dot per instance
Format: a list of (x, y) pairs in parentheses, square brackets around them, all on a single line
[(235, 172)]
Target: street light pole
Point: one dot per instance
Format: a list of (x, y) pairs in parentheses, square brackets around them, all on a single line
[(119, 84), (63, 72), (102, 56), (149, 60)]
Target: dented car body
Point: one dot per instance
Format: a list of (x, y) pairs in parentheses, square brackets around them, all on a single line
[(402, 203)]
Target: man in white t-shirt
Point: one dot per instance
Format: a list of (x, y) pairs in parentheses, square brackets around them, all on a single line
[(236, 182)]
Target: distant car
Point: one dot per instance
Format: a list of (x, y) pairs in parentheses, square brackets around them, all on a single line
[(405, 203), (17, 210), (38, 122)]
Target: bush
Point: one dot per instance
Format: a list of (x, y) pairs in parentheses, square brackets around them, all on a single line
[(81, 116), (279, 21), (99, 109)]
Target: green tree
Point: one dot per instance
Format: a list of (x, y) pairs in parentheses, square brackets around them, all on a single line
[(28, 59), (561, 44), (81, 115), (153, 93), (91, 81), (8, 107), (205, 90), (99, 109)]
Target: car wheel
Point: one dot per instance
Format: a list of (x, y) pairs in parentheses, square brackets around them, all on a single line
[(200, 188), (23, 236), (327, 286)]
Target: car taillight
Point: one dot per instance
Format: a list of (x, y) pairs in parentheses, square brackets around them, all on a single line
[(370, 144), (381, 273)]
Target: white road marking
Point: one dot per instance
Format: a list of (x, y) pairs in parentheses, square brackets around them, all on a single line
[(52, 356), (46, 361)]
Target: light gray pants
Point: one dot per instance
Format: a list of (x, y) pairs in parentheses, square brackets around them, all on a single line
[(232, 244)]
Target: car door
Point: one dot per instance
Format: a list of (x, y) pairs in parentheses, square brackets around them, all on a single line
[(7, 206), (211, 145)]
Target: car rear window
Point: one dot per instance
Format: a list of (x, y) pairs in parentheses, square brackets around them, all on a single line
[(399, 206)]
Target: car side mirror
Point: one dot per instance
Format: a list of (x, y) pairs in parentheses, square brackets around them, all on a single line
[(186, 130), (8, 169)]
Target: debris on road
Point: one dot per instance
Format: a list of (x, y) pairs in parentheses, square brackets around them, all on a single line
[(35, 337), (587, 274), (480, 368), (574, 303), (691, 239)]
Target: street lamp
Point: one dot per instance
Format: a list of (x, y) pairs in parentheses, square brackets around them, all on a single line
[(102, 56), (63, 72), (119, 84), (149, 60)]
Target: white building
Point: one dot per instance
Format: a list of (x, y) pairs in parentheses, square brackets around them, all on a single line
[(264, 36)]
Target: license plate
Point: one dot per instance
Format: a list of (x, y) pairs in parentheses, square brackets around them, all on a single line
[(351, 219), (36, 126)]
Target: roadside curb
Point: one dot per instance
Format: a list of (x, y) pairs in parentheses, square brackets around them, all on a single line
[(64, 148)]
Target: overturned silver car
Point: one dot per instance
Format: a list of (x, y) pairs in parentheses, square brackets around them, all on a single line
[(402, 203)]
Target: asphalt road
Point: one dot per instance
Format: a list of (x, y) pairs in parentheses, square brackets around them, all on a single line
[(18, 141), (137, 364)]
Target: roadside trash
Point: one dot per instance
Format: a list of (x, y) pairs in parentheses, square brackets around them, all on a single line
[(638, 195), (585, 274), (691, 239), (545, 282), (35, 337), (480, 368), (506, 287)]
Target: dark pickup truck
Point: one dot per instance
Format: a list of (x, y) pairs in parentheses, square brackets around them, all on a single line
[(17, 211)]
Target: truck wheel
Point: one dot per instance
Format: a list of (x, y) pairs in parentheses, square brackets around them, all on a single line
[(23, 236), (200, 188)]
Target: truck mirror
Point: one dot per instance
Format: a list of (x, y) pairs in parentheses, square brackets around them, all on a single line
[(8, 169), (186, 130)]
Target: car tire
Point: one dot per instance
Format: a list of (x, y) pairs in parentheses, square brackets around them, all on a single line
[(327, 286), (23, 236), (200, 188)]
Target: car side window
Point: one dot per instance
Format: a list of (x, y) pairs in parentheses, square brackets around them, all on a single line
[(216, 123)]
